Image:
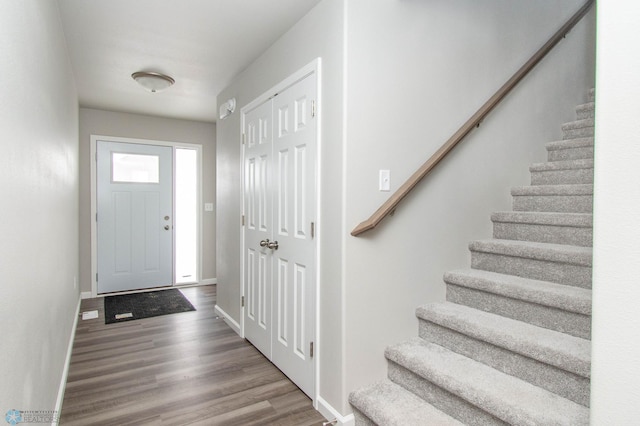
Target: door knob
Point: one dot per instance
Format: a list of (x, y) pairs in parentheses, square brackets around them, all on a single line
[(264, 243), (167, 227), (273, 245)]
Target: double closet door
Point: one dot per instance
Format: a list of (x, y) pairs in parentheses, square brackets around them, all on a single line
[(279, 248)]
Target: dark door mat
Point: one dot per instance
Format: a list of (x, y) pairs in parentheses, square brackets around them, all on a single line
[(128, 307)]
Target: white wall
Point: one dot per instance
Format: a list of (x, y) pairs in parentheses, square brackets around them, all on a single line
[(416, 72), (615, 382), (318, 34), (108, 123), (39, 215)]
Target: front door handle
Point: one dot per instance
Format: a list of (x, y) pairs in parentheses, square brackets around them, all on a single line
[(264, 243), (273, 245)]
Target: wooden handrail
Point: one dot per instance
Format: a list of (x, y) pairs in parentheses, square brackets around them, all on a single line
[(390, 205)]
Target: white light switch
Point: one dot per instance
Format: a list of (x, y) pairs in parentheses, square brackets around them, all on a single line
[(208, 207), (385, 180)]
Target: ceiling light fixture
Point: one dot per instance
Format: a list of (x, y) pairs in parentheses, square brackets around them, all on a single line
[(152, 81)]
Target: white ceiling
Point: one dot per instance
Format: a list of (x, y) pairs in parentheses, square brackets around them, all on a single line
[(202, 44)]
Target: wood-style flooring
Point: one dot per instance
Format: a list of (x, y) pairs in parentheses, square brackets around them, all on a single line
[(182, 369)]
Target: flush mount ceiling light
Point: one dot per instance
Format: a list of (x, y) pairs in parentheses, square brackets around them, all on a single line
[(152, 81)]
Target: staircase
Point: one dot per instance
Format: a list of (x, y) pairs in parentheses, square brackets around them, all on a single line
[(511, 343)]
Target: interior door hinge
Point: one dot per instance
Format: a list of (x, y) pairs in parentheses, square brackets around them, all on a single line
[(311, 350), (242, 220), (244, 138), (313, 230), (313, 108), (96, 217), (96, 277), (242, 301)]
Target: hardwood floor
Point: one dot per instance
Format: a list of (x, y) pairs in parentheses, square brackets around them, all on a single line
[(181, 369)]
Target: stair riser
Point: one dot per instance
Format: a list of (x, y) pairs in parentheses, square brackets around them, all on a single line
[(561, 382), (543, 316), (585, 113), (545, 270), (443, 400), (553, 203), (562, 177), (580, 132), (570, 154), (361, 419), (543, 233)]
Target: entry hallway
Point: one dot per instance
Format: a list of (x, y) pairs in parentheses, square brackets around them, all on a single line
[(181, 369)]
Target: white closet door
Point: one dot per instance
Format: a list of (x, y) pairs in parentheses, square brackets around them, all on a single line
[(258, 195), (280, 156), (294, 158)]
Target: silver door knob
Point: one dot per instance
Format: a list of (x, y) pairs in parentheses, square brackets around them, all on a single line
[(264, 243), (273, 245), (167, 227)]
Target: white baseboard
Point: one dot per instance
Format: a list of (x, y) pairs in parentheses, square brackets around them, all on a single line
[(230, 321), (67, 362), (85, 295), (209, 281), (331, 413)]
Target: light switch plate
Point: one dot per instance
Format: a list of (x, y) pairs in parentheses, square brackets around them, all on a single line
[(384, 180)]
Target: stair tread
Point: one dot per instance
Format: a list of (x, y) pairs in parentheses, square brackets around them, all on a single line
[(576, 255), (565, 297), (574, 189), (579, 124), (569, 144), (551, 347), (506, 397), (387, 403), (587, 105), (577, 220), (562, 165)]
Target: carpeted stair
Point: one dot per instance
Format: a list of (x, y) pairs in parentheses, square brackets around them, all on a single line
[(511, 343)]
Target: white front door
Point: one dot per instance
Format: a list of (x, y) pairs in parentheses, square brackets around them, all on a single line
[(134, 220), (280, 216)]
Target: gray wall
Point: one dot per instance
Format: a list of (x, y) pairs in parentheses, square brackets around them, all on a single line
[(108, 123), (398, 79), (39, 215), (416, 71)]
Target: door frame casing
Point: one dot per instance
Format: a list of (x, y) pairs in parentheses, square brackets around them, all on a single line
[(94, 204), (314, 67)]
